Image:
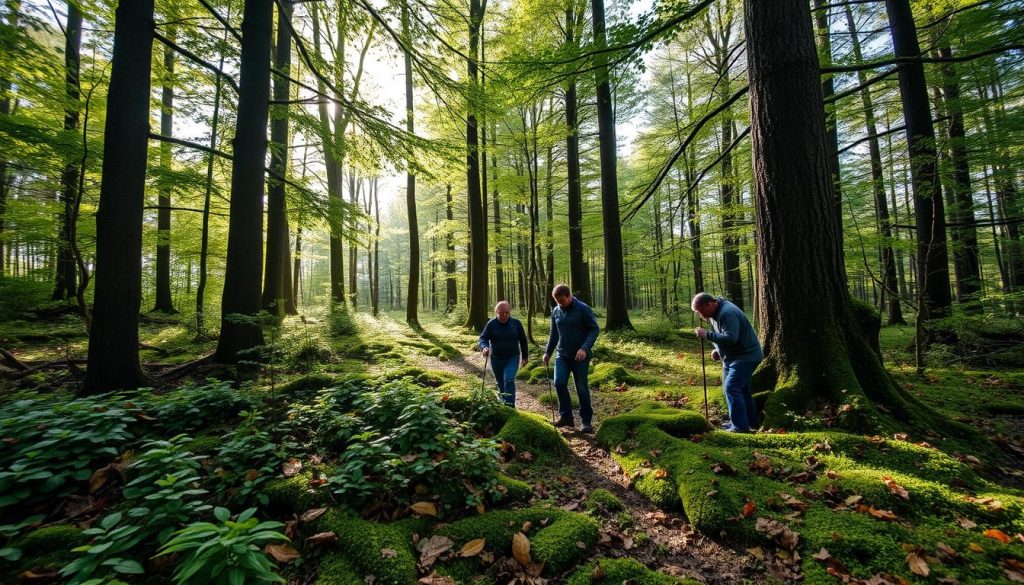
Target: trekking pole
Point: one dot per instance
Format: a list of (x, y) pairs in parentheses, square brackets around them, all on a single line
[(551, 388), (483, 374), (704, 375)]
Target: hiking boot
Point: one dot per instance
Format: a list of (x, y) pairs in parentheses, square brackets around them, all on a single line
[(587, 428), (565, 422)]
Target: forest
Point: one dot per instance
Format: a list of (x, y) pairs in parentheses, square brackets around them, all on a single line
[(305, 213)]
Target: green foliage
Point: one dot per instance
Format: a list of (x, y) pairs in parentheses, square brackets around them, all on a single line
[(247, 459), (532, 432), (602, 500), (360, 543), (606, 375), (622, 571), (109, 555), (226, 553)]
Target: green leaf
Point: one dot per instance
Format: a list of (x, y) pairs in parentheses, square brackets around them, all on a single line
[(129, 567), (221, 514)]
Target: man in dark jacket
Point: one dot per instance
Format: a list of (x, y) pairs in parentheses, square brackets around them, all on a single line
[(737, 346), (504, 340), (573, 332)]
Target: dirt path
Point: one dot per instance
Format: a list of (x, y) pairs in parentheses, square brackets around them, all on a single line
[(662, 540)]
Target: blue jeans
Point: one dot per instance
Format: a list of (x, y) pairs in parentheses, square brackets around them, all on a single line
[(505, 370), (736, 383), (563, 367)]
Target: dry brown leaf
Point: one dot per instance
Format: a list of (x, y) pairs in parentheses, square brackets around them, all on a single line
[(521, 549), (975, 547), (822, 555), (100, 478), (965, 523), (660, 473), (918, 565), (432, 548), (895, 488), (313, 514), (40, 575), (472, 548), (598, 572), (388, 553), (996, 534), (282, 553), (292, 467), (757, 552), (946, 551), (435, 579), (322, 537), (424, 508), (748, 509), (251, 475)]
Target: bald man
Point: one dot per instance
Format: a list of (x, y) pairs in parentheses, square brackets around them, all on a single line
[(504, 340)]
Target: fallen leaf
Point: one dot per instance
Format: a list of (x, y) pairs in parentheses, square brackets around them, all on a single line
[(100, 478), (322, 537), (757, 552), (748, 509), (660, 473), (388, 553), (472, 548), (822, 555), (975, 547), (895, 488), (779, 531), (435, 579), (292, 467), (282, 553), (946, 551), (432, 548), (313, 514), (535, 569), (521, 549), (965, 523), (918, 565), (996, 534), (424, 508), (721, 468), (40, 575), (251, 475), (598, 572)]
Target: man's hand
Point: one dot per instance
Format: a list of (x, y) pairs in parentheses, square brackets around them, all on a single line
[(522, 363), (715, 356), (581, 355), (701, 332), (486, 351), (547, 358)]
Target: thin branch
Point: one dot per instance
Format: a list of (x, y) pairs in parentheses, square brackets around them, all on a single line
[(178, 48)]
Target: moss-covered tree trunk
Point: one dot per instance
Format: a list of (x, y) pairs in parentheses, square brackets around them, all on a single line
[(164, 300), (820, 350), (67, 272)]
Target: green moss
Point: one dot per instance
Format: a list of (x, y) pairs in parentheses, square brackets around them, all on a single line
[(616, 571), (553, 534), (205, 444), (367, 548), (515, 490), (305, 388), (335, 569), (607, 374), (533, 433), (676, 422), (549, 399), (424, 378), (293, 495), (48, 547), (603, 500)]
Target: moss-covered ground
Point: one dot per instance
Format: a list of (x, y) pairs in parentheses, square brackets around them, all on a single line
[(638, 503)]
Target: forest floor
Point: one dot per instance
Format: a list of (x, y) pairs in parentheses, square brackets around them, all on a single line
[(631, 491)]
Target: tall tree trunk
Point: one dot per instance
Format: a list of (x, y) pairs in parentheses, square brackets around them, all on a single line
[(820, 358), (113, 361), (240, 304), (297, 263), (577, 271), (164, 302), (478, 289), (13, 16), (549, 219), (411, 315), (965, 234), (499, 264), (276, 282), (451, 287), (204, 242), (353, 247), (375, 288), (617, 312), (890, 293), (929, 210), (67, 270)]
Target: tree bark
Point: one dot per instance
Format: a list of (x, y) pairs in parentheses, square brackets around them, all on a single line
[(821, 358), (579, 281), (411, 315), (240, 331), (113, 361), (617, 312), (164, 302), (478, 289), (451, 287), (67, 270), (277, 299), (929, 209)]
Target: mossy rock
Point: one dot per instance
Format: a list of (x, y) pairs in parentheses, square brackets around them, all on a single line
[(532, 432), (616, 571), (553, 534), (48, 547), (335, 569), (206, 444), (360, 544), (533, 374), (609, 374), (676, 422), (421, 377), (515, 490), (293, 495), (305, 388), (603, 500)]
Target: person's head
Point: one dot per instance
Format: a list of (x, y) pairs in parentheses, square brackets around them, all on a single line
[(562, 295), (704, 305), (502, 311)]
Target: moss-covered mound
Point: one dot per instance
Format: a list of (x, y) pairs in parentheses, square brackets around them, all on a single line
[(616, 571), (868, 501), (532, 432), (295, 495), (48, 547), (608, 374), (549, 399), (305, 388), (674, 421), (602, 500), (368, 548)]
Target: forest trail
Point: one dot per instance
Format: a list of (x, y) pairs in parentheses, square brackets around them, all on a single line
[(660, 539)]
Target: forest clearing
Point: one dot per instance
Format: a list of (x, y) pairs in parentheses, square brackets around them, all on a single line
[(511, 291)]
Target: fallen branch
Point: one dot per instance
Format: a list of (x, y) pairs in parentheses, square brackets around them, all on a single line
[(180, 370), (12, 361)]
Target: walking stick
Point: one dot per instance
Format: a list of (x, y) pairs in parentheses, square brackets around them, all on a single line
[(704, 375), (551, 388), (483, 374)]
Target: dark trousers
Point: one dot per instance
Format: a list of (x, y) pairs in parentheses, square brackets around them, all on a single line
[(563, 367), (505, 370), (736, 383)]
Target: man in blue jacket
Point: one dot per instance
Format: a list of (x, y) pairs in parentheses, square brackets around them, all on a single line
[(573, 332), (504, 340), (737, 346)]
